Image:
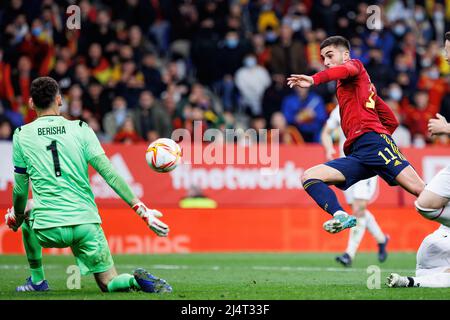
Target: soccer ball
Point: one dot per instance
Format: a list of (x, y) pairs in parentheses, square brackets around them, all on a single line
[(163, 155)]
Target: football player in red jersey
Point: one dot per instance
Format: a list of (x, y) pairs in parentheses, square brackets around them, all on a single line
[(367, 122)]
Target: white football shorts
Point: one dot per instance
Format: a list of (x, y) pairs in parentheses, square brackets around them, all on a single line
[(433, 255), (363, 190)]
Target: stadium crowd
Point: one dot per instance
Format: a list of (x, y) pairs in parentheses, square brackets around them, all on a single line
[(138, 69)]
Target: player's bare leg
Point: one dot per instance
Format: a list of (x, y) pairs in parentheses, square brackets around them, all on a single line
[(433, 203), (104, 278), (325, 173), (433, 267), (380, 237), (356, 234), (315, 181), (409, 180)]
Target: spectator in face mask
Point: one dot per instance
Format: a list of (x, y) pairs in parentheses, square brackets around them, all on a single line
[(436, 86), (252, 80), (395, 92)]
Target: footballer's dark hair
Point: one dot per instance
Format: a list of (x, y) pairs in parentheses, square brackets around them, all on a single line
[(337, 41), (447, 36), (43, 91)]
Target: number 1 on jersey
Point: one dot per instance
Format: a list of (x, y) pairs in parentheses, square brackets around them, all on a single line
[(52, 147)]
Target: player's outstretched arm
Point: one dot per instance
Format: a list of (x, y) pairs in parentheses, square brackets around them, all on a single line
[(104, 167), (439, 125), (343, 71)]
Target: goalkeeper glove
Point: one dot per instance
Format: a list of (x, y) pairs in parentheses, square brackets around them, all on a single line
[(150, 216), (12, 220)]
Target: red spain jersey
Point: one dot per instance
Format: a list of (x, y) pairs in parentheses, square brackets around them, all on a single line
[(361, 109)]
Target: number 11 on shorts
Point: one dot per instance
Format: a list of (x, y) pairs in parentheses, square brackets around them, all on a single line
[(393, 157)]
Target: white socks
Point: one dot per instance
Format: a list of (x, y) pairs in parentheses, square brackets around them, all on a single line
[(374, 228), (437, 280), (357, 233), (356, 236)]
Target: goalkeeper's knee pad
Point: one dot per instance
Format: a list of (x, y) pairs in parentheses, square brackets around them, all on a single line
[(441, 215)]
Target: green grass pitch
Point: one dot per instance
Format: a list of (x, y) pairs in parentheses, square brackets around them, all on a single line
[(244, 276)]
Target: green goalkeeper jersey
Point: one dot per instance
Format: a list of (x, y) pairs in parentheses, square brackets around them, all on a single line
[(55, 152)]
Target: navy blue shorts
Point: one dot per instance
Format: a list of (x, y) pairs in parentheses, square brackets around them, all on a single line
[(371, 154)]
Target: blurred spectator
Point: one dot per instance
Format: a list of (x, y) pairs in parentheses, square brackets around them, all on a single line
[(98, 65), (130, 82), (258, 124), (5, 129), (115, 119), (62, 75), (282, 132), (38, 46), (305, 110), (101, 31), (325, 15), (262, 52), (298, 20), (417, 116), (152, 75), (82, 76), (288, 55), (21, 78), (401, 135), (95, 126), (204, 52), (230, 54), (6, 89), (126, 47), (127, 134), (312, 51), (96, 99), (14, 118), (380, 74), (274, 95), (139, 44), (436, 87), (394, 92), (252, 80), (150, 119), (267, 17)]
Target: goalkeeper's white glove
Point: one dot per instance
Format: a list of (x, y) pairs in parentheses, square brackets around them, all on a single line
[(13, 221), (150, 216)]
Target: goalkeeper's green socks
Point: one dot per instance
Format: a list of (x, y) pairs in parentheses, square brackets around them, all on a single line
[(123, 282), (33, 251)]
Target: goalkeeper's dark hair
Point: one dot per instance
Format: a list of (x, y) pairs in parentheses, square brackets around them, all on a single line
[(447, 36), (43, 91), (337, 41)]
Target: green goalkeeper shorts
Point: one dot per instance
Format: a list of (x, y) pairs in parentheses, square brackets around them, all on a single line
[(88, 244)]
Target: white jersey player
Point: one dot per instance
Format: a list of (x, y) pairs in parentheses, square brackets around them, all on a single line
[(433, 257), (358, 196)]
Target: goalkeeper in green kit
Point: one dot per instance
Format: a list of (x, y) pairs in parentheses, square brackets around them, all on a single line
[(54, 153)]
